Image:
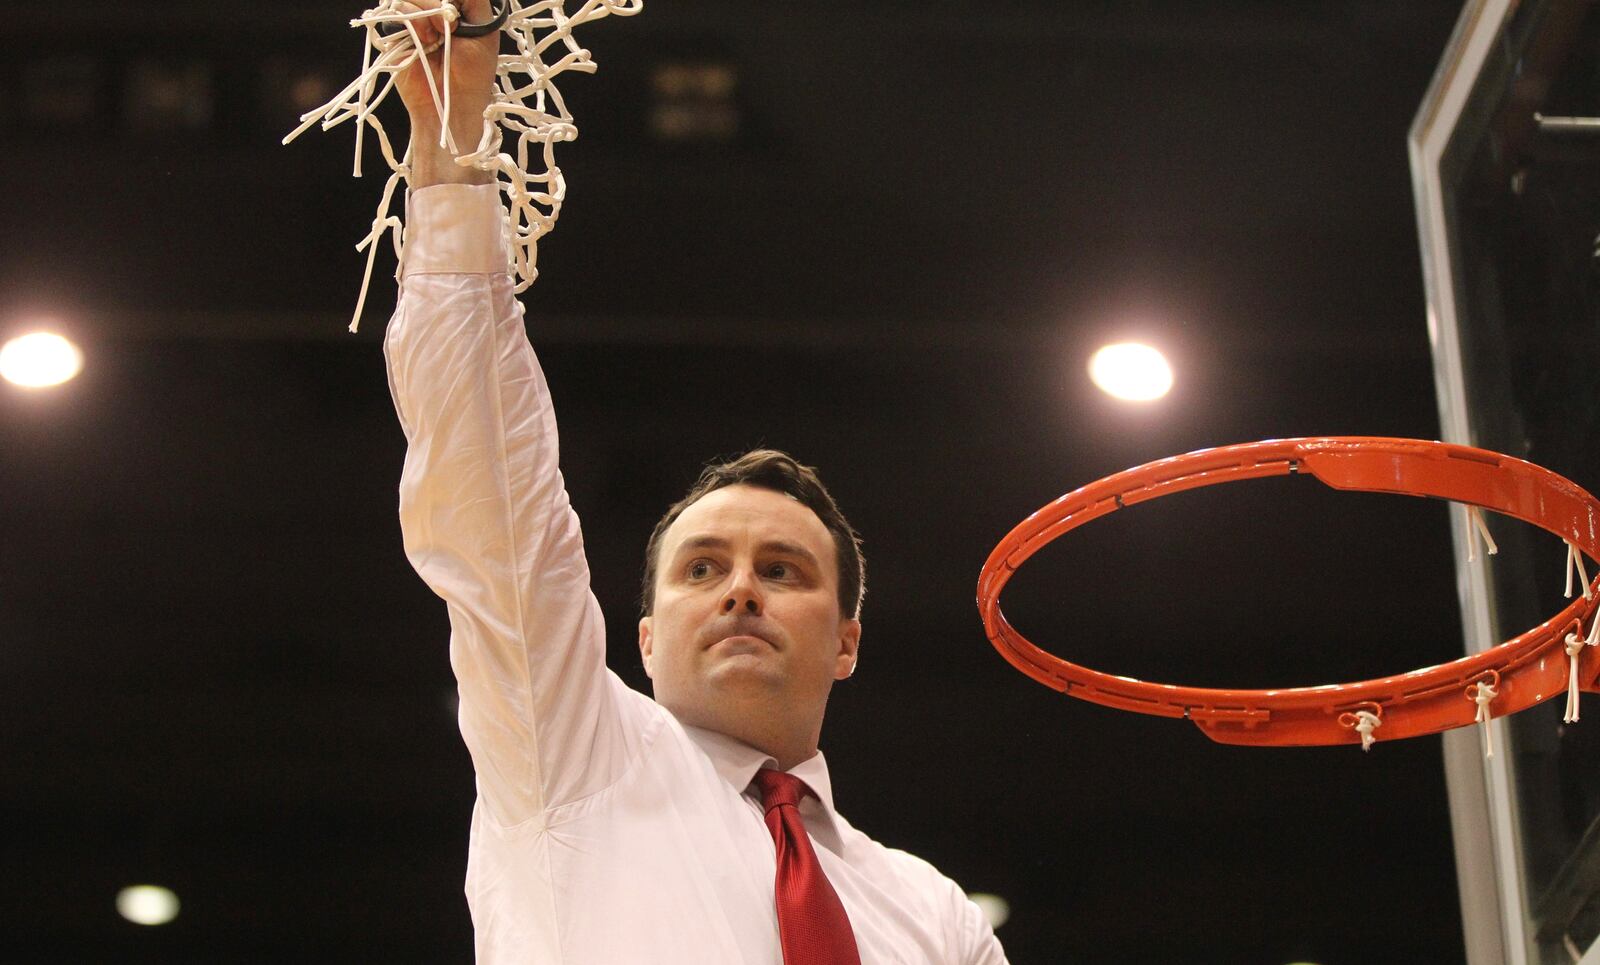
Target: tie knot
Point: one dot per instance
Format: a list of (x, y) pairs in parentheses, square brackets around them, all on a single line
[(778, 788)]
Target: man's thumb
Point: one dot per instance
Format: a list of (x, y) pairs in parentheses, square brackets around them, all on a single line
[(477, 11)]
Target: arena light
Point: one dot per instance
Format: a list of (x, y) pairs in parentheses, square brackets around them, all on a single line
[(147, 904), (694, 101), (164, 96), (995, 908), (1131, 372), (39, 359)]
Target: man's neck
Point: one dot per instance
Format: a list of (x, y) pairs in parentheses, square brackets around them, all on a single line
[(781, 745)]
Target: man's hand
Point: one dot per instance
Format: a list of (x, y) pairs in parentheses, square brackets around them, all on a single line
[(471, 80)]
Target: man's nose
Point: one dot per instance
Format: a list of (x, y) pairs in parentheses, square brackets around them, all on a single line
[(744, 595)]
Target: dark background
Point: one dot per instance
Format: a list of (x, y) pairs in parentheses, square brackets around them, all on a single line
[(890, 251)]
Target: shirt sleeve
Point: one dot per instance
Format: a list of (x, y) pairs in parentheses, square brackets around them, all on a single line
[(486, 520), (970, 936), (981, 947)]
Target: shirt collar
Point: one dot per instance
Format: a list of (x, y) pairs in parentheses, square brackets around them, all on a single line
[(737, 763)]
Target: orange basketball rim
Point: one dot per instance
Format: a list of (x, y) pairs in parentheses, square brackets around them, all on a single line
[(1550, 659)]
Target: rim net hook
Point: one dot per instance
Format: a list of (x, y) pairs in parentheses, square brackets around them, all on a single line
[(1483, 694), (1574, 646), (1364, 722), (1477, 530), (1575, 563)]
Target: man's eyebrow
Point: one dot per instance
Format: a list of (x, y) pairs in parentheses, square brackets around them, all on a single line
[(703, 543), (782, 547), (785, 548)]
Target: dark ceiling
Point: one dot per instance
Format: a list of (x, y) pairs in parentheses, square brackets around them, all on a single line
[(219, 673)]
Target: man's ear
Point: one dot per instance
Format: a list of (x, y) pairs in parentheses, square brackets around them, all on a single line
[(849, 648), (646, 644)]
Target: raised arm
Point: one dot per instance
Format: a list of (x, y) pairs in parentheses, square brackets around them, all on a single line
[(483, 507), (472, 64)]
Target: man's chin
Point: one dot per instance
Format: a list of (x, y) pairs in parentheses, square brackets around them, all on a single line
[(745, 670), (727, 699)]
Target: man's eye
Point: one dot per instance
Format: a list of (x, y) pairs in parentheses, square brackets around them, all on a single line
[(699, 570), (779, 571)]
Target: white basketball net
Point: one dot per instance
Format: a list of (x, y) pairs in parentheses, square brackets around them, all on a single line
[(526, 104)]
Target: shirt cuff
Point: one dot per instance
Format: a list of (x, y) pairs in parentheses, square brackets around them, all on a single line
[(455, 228)]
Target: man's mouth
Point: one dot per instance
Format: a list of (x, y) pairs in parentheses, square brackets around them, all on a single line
[(742, 643)]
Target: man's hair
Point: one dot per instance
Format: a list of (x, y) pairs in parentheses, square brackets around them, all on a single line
[(779, 472)]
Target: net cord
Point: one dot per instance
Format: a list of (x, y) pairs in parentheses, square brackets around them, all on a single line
[(526, 105)]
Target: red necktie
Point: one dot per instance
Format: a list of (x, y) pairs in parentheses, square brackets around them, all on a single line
[(812, 924)]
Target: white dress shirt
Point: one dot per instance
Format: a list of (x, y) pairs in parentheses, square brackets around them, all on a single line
[(604, 831)]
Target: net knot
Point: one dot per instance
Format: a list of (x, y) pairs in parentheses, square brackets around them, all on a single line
[(1478, 531), (1575, 565), (1364, 722), (1483, 694), (1574, 648)]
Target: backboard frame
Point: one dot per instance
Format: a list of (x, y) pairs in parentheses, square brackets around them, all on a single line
[(1484, 807)]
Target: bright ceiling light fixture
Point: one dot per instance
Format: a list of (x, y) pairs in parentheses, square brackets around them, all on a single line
[(39, 359), (147, 904), (1130, 371), (995, 908)]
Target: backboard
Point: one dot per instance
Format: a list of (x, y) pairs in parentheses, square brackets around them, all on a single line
[(1505, 157)]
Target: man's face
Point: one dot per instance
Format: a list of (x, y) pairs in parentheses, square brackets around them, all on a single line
[(746, 618)]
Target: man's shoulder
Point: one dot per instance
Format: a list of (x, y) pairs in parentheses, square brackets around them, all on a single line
[(904, 864), (935, 900)]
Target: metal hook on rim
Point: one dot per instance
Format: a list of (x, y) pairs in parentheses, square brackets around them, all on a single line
[(1364, 722), (1480, 690), (1573, 644), (1483, 692)]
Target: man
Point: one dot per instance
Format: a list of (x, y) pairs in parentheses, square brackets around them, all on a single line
[(611, 828)]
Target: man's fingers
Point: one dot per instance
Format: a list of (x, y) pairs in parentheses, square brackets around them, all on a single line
[(476, 11), (420, 25), (429, 29)]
